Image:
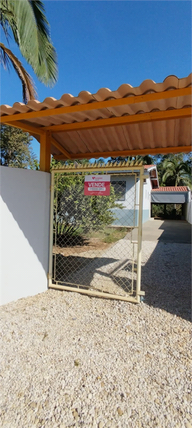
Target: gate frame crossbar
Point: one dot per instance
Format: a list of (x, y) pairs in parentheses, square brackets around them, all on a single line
[(123, 167)]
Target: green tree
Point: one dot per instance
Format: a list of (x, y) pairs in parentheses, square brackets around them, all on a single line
[(16, 150), (146, 160), (85, 212), (73, 209), (26, 21), (175, 171)]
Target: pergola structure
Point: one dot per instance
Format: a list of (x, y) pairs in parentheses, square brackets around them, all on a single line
[(150, 119)]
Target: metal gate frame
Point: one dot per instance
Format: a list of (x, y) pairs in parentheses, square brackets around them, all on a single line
[(95, 168)]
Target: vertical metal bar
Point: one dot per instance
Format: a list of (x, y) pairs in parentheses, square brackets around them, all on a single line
[(51, 231), (56, 224), (134, 199), (138, 285), (133, 244), (132, 279)]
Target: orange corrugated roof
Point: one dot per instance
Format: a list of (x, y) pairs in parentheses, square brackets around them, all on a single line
[(171, 189), (109, 123)]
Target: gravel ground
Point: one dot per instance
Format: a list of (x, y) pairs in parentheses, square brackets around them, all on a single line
[(68, 360)]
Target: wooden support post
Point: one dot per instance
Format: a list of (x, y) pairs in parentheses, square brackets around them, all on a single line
[(45, 152)]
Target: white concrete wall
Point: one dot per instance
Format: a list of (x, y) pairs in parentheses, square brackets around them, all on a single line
[(189, 212), (24, 231), (126, 216), (146, 200)]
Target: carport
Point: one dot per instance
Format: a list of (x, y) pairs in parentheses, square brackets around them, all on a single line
[(149, 119), (171, 195)]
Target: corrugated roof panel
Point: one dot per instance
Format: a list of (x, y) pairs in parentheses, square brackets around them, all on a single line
[(133, 136), (125, 90)]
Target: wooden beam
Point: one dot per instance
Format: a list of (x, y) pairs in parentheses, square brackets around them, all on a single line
[(60, 148), (45, 152), (97, 105), (26, 128), (92, 167), (125, 153), (122, 120)]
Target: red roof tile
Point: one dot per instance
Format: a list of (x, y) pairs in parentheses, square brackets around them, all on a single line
[(171, 189), (149, 166)]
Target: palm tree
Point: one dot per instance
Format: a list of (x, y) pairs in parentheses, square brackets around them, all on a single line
[(176, 172), (145, 160), (28, 24)]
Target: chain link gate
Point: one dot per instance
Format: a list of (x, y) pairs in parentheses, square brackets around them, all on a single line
[(95, 241)]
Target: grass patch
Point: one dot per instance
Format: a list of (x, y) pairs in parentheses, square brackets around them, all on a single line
[(109, 235)]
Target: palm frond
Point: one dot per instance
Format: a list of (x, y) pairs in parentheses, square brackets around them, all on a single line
[(30, 29), (166, 175), (176, 172), (7, 58)]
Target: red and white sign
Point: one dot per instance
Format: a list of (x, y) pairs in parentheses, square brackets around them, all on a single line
[(97, 185)]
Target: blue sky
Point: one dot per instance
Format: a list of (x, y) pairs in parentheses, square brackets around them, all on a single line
[(108, 43)]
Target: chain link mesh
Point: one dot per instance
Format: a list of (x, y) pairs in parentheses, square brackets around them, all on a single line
[(93, 246)]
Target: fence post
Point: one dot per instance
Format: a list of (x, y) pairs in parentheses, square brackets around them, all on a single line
[(51, 230), (138, 285)]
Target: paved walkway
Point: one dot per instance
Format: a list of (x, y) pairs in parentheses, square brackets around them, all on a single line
[(173, 231)]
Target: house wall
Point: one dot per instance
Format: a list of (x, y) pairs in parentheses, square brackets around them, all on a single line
[(24, 228), (146, 200), (128, 216), (188, 212)]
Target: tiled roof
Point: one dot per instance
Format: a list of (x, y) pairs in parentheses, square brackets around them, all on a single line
[(171, 189), (89, 121), (149, 166)]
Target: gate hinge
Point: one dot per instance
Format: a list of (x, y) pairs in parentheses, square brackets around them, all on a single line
[(141, 293)]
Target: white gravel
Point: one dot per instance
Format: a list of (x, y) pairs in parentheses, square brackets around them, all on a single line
[(68, 360)]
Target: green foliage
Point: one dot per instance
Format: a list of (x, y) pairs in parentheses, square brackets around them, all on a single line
[(30, 29), (110, 234), (78, 214), (68, 235), (173, 211), (16, 150), (86, 212), (146, 160), (175, 170), (83, 213)]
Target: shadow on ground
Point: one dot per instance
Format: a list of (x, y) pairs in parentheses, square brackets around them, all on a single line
[(98, 273), (166, 276)]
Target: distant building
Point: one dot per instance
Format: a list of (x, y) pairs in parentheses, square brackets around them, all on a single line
[(174, 195), (127, 186)]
